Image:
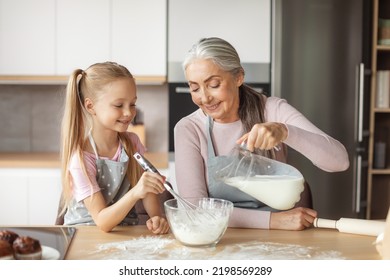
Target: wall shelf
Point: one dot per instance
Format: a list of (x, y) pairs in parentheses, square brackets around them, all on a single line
[(378, 179), (62, 80)]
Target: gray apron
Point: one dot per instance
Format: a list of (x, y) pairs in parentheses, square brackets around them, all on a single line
[(219, 189), (112, 180)]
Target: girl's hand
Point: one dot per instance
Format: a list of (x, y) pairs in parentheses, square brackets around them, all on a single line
[(295, 219), (264, 136), (148, 183), (157, 225)]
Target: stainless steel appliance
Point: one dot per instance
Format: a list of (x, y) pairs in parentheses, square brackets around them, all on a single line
[(56, 238), (319, 53)]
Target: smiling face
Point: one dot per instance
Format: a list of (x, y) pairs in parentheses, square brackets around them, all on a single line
[(115, 108), (215, 91)]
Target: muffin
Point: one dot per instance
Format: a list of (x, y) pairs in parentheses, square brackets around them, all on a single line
[(8, 236), (6, 250), (27, 248)]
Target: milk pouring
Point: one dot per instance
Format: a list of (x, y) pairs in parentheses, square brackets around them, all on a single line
[(274, 183), (277, 191)]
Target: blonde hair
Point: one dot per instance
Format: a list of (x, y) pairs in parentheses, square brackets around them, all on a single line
[(76, 121)]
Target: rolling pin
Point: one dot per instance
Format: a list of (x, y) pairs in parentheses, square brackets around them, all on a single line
[(355, 226)]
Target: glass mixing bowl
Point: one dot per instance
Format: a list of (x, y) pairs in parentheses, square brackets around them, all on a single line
[(202, 227)]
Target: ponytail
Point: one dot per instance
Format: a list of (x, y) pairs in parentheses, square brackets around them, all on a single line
[(72, 132)]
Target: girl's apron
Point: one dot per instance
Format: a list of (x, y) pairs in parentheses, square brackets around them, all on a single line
[(219, 189), (112, 180)]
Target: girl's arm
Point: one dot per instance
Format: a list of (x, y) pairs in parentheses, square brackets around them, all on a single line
[(152, 205), (157, 222), (106, 218)]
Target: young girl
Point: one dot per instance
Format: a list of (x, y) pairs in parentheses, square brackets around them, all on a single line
[(101, 180)]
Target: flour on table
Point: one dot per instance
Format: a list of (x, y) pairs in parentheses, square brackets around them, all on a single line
[(159, 247)]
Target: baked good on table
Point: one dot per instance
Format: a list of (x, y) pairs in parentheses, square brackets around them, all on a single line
[(8, 235), (27, 248), (6, 250)]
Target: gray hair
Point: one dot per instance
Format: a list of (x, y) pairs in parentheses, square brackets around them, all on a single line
[(221, 52), (225, 56)]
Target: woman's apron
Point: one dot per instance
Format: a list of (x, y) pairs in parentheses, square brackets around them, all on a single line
[(219, 189), (112, 180)]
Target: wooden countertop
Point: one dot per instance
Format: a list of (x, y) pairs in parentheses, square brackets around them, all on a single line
[(52, 160), (136, 242)]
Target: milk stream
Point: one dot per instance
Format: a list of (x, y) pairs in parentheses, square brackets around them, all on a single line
[(277, 191)]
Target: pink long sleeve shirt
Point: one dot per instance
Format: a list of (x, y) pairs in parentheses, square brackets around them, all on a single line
[(191, 155)]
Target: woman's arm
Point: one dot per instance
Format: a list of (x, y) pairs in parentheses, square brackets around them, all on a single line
[(303, 136), (191, 177), (190, 166)]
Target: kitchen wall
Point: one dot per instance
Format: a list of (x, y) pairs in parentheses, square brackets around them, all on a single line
[(30, 117)]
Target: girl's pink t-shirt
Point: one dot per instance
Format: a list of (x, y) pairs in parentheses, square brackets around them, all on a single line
[(84, 186)]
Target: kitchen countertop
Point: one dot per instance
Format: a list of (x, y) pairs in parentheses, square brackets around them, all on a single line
[(136, 242), (52, 160)]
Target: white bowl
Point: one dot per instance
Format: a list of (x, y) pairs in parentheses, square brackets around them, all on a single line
[(202, 227)]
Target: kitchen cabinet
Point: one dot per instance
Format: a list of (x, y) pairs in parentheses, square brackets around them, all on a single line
[(82, 34), (27, 36), (378, 185), (29, 196), (245, 24), (54, 37), (139, 36)]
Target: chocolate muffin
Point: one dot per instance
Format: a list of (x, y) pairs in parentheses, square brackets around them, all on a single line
[(8, 236), (27, 248), (6, 250)]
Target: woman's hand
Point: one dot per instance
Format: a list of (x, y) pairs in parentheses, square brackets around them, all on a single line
[(157, 225), (264, 136), (148, 183), (295, 219)]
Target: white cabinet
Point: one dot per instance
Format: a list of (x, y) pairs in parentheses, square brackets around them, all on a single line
[(245, 24), (29, 196), (54, 37), (13, 198), (83, 34), (139, 35), (27, 37)]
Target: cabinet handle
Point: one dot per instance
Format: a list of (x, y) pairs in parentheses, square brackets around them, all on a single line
[(359, 115), (360, 101), (358, 183)]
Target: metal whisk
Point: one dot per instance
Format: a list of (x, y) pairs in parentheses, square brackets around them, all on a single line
[(190, 209)]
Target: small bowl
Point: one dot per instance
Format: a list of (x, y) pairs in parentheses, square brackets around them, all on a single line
[(203, 227)]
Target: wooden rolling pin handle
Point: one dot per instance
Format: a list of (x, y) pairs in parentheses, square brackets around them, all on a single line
[(324, 223), (349, 225)]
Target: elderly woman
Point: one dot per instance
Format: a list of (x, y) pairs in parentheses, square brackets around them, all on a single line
[(230, 113)]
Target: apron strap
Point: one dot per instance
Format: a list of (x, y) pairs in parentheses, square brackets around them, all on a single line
[(210, 145), (93, 144)]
